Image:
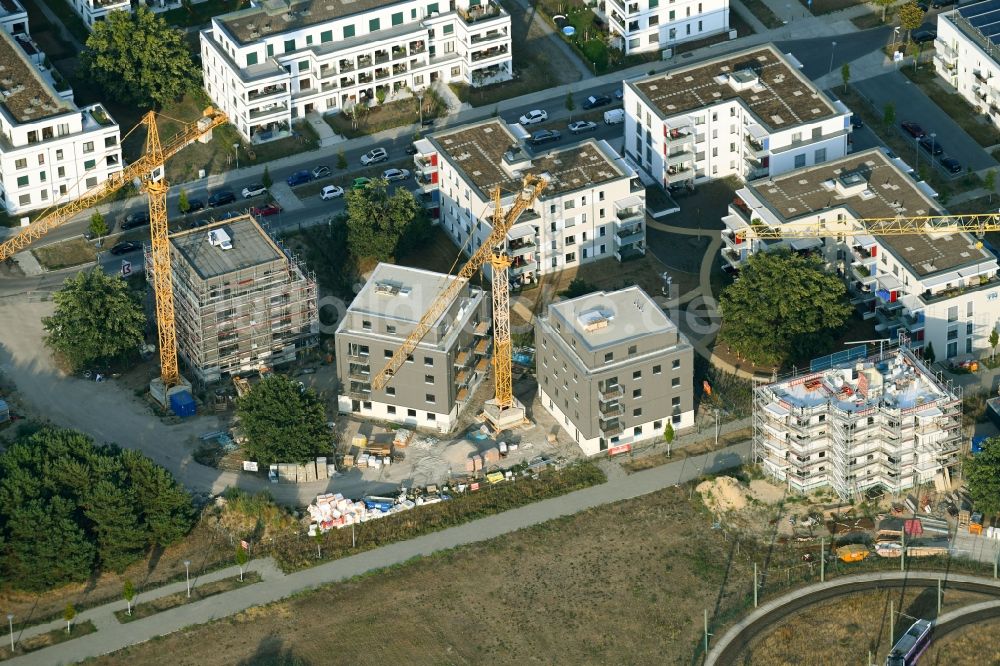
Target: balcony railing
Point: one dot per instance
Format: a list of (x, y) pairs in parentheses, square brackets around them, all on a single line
[(381, 58), (611, 428), (489, 36), (364, 61), (398, 68), (365, 78), (630, 234), (630, 212), (490, 53), (269, 91), (381, 74), (756, 147), (481, 13), (261, 113), (398, 53), (346, 66), (612, 392), (679, 135), (612, 409), (519, 247), (678, 174)]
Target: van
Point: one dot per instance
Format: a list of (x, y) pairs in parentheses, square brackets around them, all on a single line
[(614, 117)]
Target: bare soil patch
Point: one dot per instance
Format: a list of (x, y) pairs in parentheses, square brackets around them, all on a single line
[(64, 254), (966, 646), (47, 639)]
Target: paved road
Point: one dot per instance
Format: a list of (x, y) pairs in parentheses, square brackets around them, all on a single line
[(815, 53), (112, 636)]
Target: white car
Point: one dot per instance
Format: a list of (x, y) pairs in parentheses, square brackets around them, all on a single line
[(395, 174), (255, 190), (374, 155), (331, 192), (533, 117), (581, 126)]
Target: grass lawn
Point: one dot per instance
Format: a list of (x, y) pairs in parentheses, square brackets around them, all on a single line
[(45, 640), (386, 116), (438, 254), (763, 13), (64, 254), (985, 134), (143, 609), (820, 7), (69, 18), (201, 12), (632, 465)]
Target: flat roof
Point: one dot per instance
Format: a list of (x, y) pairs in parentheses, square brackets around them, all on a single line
[(778, 95), (478, 152), (889, 193), (23, 92), (400, 292), (980, 21), (273, 17), (608, 318), (251, 247)]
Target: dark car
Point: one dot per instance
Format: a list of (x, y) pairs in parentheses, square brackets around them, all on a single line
[(197, 224), (924, 35), (544, 136), (411, 150), (931, 146), (221, 198), (913, 129), (619, 94), (951, 165), (595, 101), (135, 220), (856, 122), (126, 247), (194, 205), (299, 178)]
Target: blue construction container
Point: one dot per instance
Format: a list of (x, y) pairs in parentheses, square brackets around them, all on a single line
[(977, 443), (182, 404)]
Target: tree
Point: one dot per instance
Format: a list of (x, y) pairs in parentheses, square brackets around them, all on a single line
[(570, 104), (578, 287), (96, 319), (982, 476), (929, 354), (128, 593), (182, 202), (994, 339), (98, 227), (120, 537), (911, 17), (990, 182), (845, 74), (889, 115), (376, 220), (44, 547), (242, 557), (137, 58), (341, 159), (69, 614), (668, 435), (784, 306), (318, 538), (283, 422), (884, 4), (265, 178), (164, 507), (380, 95)]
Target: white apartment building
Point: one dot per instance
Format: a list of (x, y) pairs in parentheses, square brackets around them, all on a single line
[(593, 208), (278, 61), (92, 11), (883, 421), (51, 151), (749, 114), (967, 55), (939, 289), (640, 26)]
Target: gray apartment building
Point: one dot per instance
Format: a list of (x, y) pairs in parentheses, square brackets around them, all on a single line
[(241, 301), (434, 385), (613, 369)]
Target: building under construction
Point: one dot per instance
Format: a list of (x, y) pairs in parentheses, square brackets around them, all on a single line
[(882, 421), (242, 301)]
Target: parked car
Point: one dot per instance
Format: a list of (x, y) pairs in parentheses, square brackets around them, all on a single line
[(221, 198), (299, 178), (321, 172), (581, 126), (544, 136), (135, 220), (126, 247), (857, 122), (227, 216), (595, 101), (931, 146), (937, 4), (411, 149), (374, 156), (331, 192), (395, 174), (267, 210), (360, 183), (197, 224), (194, 205), (614, 117), (255, 190), (924, 35), (619, 94), (533, 117), (951, 165), (913, 129)]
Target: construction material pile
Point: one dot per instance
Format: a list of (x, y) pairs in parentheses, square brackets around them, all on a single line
[(722, 494), (333, 510)]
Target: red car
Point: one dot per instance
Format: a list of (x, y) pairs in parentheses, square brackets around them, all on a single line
[(913, 129), (266, 211)]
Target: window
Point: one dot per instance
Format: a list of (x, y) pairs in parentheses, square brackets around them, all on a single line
[(397, 18), (429, 397), (326, 36), (820, 156), (654, 20), (672, 15), (653, 4), (676, 363), (428, 362), (348, 33), (59, 154), (411, 413), (602, 232), (448, 29), (289, 45), (608, 357), (390, 409), (675, 401), (390, 390), (431, 416), (373, 25), (800, 161), (21, 163), (303, 65), (637, 374), (632, 350), (636, 393), (270, 50), (968, 326), (953, 313), (953, 333), (366, 325), (637, 411), (61, 172), (656, 369), (432, 8), (455, 71), (22, 181), (428, 379), (41, 177), (571, 257), (41, 158), (657, 425), (63, 129), (952, 349), (88, 147), (24, 199), (676, 381), (110, 141), (251, 59)]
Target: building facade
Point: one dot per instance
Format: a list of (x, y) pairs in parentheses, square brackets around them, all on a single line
[(594, 207), (883, 421), (51, 151), (749, 114), (92, 11), (241, 301), (937, 290), (449, 363), (967, 55), (613, 369), (650, 25), (274, 63)]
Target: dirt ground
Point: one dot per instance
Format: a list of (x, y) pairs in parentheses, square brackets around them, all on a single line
[(72, 252), (972, 646), (623, 584), (862, 624)]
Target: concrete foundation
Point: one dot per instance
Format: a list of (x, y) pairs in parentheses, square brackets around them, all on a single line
[(161, 393), (503, 419)]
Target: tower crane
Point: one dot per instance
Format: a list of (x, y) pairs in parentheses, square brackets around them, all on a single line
[(148, 169), (503, 410), (900, 225)]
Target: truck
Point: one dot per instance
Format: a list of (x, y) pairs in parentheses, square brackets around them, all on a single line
[(614, 117)]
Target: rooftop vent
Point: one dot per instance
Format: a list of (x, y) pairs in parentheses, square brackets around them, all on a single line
[(386, 288), (743, 79), (595, 320), (851, 184), (219, 238)]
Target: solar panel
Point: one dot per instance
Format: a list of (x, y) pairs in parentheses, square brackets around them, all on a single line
[(978, 8)]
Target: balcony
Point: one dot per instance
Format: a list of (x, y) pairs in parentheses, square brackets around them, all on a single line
[(755, 146), (633, 8), (984, 282), (609, 393), (364, 61), (755, 172), (327, 70), (947, 64), (863, 255), (629, 252), (913, 322), (489, 36), (526, 265), (679, 157), (359, 371), (981, 75), (631, 208), (481, 13), (263, 93), (417, 47), (345, 66), (381, 57), (678, 174), (398, 68), (521, 246), (611, 409), (365, 78), (361, 390), (629, 235), (862, 272), (398, 52), (427, 181), (611, 428), (381, 73), (278, 109), (681, 135), (490, 53), (327, 86)]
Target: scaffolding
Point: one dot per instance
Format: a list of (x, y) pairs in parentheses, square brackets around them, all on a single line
[(257, 315), (852, 441)]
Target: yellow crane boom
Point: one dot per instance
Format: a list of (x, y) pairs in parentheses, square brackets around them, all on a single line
[(876, 226), (532, 187)]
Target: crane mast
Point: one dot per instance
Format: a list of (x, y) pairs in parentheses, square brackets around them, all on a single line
[(900, 225)]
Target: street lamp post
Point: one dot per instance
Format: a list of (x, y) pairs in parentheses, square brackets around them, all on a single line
[(420, 103), (10, 623), (933, 144), (833, 49), (236, 149), (187, 576)]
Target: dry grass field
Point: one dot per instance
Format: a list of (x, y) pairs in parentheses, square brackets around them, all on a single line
[(624, 584), (969, 646)]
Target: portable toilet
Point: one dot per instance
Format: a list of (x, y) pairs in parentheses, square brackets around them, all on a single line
[(182, 404), (4, 412)]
